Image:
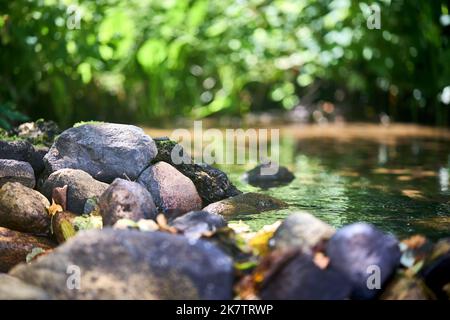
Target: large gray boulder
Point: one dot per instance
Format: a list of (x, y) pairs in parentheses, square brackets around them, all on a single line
[(15, 246), (104, 150), (16, 171), (366, 255), (129, 264), (126, 200), (171, 190), (80, 187), (23, 209)]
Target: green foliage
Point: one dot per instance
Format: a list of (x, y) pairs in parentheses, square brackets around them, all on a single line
[(142, 60), (9, 115)]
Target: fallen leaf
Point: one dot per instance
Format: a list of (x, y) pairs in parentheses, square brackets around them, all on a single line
[(54, 208), (321, 260), (35, 252), (163, 225)]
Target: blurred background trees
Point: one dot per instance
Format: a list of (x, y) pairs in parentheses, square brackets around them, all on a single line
[(148, 61)]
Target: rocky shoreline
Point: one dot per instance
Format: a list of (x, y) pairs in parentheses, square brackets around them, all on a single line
[(106, 200)]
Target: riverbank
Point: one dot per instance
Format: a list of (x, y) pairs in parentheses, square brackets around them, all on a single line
[(105, 213)]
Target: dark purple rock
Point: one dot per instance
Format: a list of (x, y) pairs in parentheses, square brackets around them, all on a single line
[(301, 279), (436, 271), (357, 249)]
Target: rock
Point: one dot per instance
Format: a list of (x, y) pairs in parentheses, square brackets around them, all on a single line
[(246, 203), (301, 279), (266, 176), (38, 132), (212, 184), (406, 288), (129, 264), (14, 289), (105, 150), (126, 200), (21, 150), (359, 251), (197, 223), (14, 247), (16, 171), (80, 187), (302, 231), (23, 209), (170, 189), (436, 271)]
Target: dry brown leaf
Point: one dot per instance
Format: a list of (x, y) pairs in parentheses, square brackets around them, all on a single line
[(54, 208), (415, 241), (321, 260), (163, 225)]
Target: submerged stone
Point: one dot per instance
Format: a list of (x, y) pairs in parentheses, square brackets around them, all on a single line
[(246, 203)]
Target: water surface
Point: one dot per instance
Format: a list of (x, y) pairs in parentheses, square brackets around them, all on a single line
[(396, 178)]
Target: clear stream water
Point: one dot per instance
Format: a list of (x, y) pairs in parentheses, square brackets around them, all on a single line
[(399, 182)]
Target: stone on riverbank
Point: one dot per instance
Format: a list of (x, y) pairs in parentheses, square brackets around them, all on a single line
[(302, 231), (403, 287), (301, 279), (14, 247), (80, 187), (436, 271), (14, 289), (211, 183), (23, 209), (22, 150), (105, 150), (16, 171), (196, 223), (246, 203), (126, 200), (363, 253), (129, 264), (170, 189)]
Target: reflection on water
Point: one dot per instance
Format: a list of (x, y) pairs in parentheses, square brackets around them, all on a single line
[(396, 178)]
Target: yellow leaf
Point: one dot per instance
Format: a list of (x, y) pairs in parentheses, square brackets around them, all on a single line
[(54, 208)]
